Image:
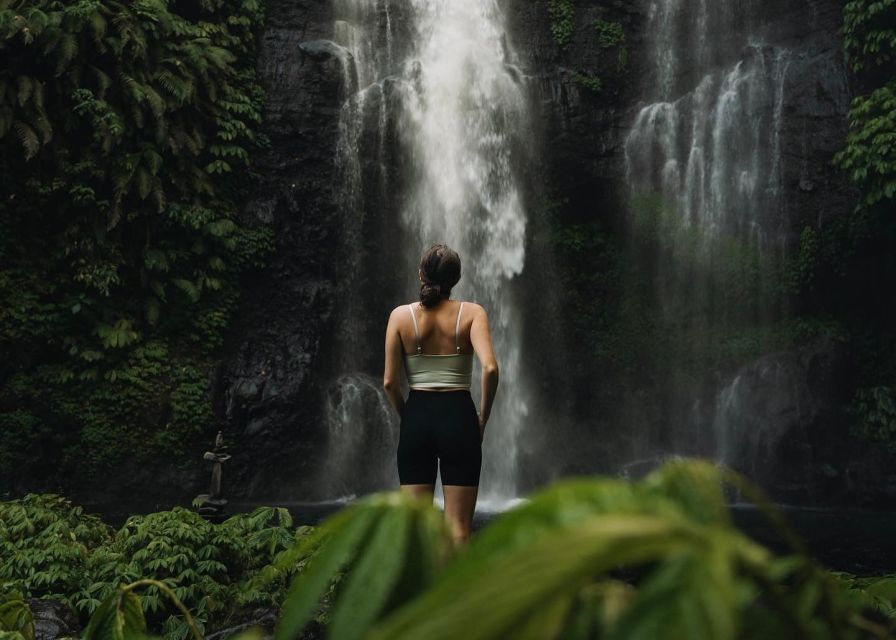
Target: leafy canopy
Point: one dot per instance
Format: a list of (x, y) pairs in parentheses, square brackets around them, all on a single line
[(127, 130)]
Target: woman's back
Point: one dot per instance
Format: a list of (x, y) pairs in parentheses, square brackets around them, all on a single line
[(436, 328)]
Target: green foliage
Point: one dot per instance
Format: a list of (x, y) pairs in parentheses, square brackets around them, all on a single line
[(119, 617), (46, 545), (49, 548), (609, 34), (561, 13), (842, 276), (801, 274), (869, 33), (590, 81), (16, 621), (127, 131), (870, 153), (874, 409), (390, 545), (872, 593)]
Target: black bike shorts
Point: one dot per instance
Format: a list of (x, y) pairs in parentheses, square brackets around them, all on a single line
[(439, 430)]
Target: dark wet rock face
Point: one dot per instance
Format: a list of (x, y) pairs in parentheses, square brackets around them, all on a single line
[(267, 385)]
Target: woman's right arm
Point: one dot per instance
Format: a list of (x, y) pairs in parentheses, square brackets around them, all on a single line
[(392, 370), (481, 337)]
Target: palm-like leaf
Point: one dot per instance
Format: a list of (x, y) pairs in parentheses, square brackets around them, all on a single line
[(392, 544)]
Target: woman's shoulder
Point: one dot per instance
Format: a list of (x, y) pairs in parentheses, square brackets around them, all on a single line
[(400, 309), (474, 307)]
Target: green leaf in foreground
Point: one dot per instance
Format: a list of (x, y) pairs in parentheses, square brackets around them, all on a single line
[(390, 545)]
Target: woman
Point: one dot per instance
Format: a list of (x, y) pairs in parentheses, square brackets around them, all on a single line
[(440, 427)]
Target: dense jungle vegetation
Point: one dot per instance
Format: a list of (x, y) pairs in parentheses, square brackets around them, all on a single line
[(126, 131)]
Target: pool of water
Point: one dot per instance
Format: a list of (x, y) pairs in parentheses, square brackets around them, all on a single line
[(858, 541)]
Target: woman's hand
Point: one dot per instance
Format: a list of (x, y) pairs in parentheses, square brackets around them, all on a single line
[(482, 422)]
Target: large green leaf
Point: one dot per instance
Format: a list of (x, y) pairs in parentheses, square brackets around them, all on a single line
[(503, 597), (561, 505), (344, 534), (119, 617), (15, 617), (373, 576)]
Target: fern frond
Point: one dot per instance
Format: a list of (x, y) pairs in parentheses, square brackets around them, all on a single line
[(156, 102), (144, 184), (152, 160), (43, 127), (97, 26), (102, 81), (25, 88), (51, 42), (68, 49), (38, 94), (37, 21), (28, 139), (158, 195), (134, 88)]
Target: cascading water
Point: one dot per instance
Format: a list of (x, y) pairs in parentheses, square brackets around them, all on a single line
[(714, 150), (362, 430), (466, 112), (461, 112), (704, 159)]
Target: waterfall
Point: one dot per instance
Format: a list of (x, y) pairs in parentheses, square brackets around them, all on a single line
[(464, 110), (359, 419), (459, 111), (704, 169), (361, 426), (713, 151)]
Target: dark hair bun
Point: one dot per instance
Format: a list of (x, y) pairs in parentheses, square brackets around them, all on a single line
[(440, 269), (430, 294)]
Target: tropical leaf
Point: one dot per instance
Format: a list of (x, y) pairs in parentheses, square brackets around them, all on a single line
[(372, 577), (25, 89), (501, 599), (28, 138), (390, 544), (345, 534), (119, 617)]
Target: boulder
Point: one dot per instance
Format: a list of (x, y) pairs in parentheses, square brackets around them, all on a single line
[(53, 619), (778, 420)]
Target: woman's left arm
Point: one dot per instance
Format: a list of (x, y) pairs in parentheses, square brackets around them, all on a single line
[(392, 373)]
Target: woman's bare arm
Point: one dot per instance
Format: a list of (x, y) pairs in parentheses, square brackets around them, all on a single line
[(481, 337), (392, 372)]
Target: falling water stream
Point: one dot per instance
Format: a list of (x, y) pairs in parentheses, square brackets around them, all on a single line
[(707, 146), (459, 107), (712, 149)]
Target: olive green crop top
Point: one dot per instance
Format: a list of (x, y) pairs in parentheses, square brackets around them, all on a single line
[(433, 371)]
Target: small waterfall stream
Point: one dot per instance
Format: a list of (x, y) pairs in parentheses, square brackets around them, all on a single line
[(447, 100), (712, 150), (704, 161)]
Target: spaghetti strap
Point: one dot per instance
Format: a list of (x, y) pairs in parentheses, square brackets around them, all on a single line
[(416, 334), (457, 328)]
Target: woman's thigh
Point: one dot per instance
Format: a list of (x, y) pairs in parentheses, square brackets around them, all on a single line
[(417, 455), (460, 448)]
